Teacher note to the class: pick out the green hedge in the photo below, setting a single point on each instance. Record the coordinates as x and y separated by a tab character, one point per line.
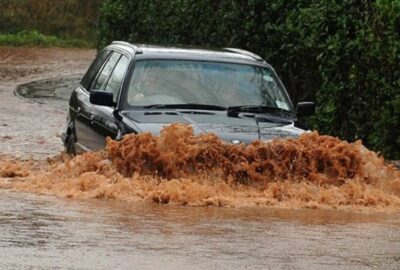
342	54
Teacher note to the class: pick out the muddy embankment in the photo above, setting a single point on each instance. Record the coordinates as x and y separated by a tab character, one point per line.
180	168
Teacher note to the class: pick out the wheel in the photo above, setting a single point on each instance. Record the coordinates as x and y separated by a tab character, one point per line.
70	144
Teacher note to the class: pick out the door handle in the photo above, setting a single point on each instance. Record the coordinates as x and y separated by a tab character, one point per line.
92	119
112	126
78	111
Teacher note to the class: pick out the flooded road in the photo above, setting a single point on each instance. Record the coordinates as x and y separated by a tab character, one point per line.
47	232
31	129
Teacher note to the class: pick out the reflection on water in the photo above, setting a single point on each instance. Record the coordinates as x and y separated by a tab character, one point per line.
46	233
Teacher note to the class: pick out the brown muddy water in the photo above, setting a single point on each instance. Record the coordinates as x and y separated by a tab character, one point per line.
145	203
41	232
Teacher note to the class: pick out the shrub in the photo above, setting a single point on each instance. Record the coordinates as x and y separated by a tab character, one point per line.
342	54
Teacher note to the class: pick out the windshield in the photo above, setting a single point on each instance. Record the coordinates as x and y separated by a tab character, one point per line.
211	83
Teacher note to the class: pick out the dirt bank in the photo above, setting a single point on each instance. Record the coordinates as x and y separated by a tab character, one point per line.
28	129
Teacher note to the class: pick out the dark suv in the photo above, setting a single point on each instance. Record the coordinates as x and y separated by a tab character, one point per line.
141	88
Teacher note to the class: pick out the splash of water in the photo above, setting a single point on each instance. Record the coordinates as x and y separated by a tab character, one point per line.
181	168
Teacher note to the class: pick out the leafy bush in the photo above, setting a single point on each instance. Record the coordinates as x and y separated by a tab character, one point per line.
342	54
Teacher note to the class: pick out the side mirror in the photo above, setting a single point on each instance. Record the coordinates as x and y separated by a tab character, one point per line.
101	98
305	108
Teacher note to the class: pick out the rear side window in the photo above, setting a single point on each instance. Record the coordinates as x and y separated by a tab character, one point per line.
94	68
101	81
115	81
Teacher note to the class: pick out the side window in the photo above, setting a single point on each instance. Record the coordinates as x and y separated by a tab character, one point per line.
117	77
94	68
100	82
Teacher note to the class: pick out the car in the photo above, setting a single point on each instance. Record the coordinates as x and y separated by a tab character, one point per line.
135	88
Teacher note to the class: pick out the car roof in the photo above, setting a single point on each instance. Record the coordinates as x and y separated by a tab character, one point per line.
146	51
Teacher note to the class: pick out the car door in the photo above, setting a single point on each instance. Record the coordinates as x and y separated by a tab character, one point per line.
80	106
88	139
104	123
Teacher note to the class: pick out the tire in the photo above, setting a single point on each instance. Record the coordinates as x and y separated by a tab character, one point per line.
70	144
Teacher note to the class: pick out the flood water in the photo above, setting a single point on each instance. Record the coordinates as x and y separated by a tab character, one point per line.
46	232
39	232
54	92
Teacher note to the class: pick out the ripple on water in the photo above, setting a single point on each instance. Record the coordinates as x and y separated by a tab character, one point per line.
48	233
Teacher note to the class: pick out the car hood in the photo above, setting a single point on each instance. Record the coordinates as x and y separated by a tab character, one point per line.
244	128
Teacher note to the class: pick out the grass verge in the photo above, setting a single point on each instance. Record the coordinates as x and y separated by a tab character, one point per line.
33	38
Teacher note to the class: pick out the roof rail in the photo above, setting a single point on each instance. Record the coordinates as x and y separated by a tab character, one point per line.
244	52
119	42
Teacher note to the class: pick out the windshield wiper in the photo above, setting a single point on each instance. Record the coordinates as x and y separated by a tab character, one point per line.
194	106
234	110
231	110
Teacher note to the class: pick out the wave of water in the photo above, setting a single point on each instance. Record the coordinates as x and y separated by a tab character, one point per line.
178	167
